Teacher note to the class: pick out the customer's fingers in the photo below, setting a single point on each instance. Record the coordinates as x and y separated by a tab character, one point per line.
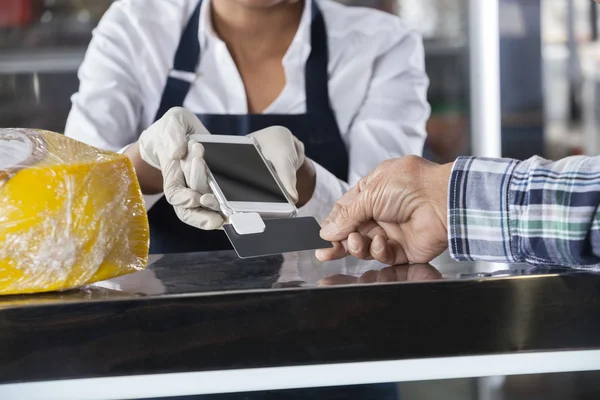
346	199
359	246
338	251
387	251
348	218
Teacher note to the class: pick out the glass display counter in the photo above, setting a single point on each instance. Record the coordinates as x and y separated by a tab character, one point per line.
212	323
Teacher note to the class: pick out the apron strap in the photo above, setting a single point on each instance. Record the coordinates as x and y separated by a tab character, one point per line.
186	59
316	71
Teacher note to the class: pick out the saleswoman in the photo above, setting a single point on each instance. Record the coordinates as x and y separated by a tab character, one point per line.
348	82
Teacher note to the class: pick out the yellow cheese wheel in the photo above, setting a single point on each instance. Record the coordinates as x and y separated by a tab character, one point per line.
70	214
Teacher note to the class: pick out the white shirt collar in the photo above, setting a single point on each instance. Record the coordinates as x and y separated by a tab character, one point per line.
298	51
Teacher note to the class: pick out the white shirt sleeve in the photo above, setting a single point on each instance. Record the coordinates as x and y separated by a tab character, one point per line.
106	110
389	124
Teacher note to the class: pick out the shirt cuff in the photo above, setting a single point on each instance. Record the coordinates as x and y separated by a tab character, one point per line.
328	189
479	224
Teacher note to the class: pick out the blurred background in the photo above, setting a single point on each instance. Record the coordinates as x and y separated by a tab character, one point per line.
548	57
550	103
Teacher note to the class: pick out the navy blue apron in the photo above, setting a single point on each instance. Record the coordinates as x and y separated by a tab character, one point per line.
317	129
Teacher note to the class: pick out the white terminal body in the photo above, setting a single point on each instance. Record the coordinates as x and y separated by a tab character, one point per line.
247	216
247	223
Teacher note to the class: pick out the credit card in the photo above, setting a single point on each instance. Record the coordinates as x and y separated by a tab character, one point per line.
284	235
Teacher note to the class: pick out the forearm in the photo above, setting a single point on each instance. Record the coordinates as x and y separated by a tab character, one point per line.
536	211
150	178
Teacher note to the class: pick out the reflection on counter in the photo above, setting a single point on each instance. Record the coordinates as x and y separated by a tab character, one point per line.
392	274
222	271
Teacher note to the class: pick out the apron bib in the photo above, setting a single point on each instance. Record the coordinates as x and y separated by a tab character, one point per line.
317	129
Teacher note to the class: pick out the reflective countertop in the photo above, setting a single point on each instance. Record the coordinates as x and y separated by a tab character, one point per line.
214	311
213	273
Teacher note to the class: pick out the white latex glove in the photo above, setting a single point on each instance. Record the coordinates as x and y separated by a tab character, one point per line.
163	145
285	152
278	146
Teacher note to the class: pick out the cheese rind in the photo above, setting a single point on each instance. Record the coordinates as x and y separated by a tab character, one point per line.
70	215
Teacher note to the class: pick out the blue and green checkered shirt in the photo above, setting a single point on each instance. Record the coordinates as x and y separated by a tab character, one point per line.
535	211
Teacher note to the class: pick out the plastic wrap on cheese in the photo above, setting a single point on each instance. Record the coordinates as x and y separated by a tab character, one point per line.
70	214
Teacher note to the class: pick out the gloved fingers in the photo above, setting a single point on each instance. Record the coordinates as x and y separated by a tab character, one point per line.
277	135
189	121
175	189
287	175
210	202
279	142
300	151
200	218
184	197
173	138
167	138
179	124
284	152
195	149
195	169
199	176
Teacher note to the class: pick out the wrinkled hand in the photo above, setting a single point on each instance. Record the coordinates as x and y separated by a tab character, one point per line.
395	215
396	273
165	146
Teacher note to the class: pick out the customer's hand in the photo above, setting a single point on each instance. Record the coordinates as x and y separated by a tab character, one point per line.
395	215
165	146
396	273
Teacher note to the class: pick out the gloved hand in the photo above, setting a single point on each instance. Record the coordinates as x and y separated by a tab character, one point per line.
277	144
285	152
395	215
163	145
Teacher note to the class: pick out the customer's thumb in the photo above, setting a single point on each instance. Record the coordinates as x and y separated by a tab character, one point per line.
348	218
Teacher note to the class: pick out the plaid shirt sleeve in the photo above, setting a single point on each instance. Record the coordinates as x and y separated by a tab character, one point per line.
535	211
